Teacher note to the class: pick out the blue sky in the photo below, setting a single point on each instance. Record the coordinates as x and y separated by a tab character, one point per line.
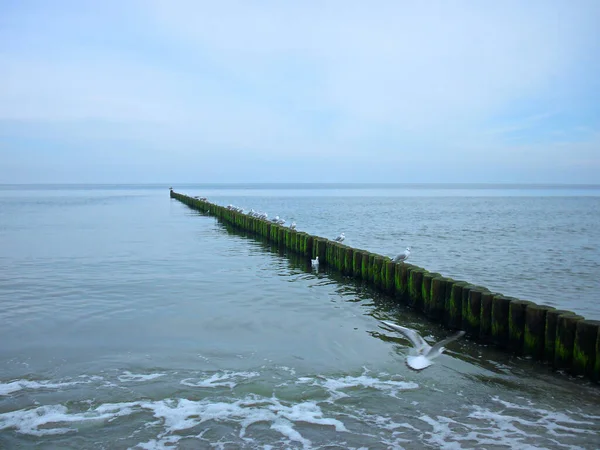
336	91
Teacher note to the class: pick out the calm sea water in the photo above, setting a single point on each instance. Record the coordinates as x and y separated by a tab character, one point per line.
130	321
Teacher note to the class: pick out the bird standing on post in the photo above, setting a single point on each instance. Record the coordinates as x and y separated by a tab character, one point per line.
402	256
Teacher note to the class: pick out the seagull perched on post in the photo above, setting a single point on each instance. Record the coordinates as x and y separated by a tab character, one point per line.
402	256
293	226
315	263
340	238
424	353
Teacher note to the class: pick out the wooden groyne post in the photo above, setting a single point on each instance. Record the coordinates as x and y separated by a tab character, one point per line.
560	338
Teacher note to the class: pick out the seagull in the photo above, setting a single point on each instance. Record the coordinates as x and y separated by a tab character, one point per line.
315	262
424	353
340	238
293	226
403	256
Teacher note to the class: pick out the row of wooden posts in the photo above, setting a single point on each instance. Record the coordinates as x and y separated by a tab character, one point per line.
561	338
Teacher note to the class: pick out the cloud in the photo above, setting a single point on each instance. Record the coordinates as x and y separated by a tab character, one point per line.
225	82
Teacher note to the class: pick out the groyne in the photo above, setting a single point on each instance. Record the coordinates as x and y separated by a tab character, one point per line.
562	339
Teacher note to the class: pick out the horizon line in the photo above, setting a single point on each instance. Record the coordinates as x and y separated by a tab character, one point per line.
312	184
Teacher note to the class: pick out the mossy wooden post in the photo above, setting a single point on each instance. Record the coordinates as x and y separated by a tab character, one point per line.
275	233
348	261
390	274
320	246
281	238
357	256
364	267
377	265
550	332
437	305
566	325
516	324
329	253
315	247
453	309
500	311
584	348
535	330
341	256
310	242
298	242
405	270
426	290
415	288
471	311
305	243
370	265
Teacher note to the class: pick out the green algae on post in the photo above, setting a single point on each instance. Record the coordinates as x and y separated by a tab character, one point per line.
566	324
584	348
535	330
426	290
438	298
415	287
453	310
471	311
500	308
550	332
377	265
357	263
516	324
389	277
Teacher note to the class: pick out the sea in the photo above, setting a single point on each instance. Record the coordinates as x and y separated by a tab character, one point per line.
130	321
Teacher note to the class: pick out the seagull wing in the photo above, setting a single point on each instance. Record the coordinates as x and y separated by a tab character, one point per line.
437	348
412	335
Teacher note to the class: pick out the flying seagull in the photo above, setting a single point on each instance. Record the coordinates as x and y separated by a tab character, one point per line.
340	238
424	353
402	256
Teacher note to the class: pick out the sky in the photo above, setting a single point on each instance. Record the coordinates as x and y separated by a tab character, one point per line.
194	91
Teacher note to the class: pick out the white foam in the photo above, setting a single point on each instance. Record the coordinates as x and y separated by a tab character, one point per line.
286	428
50	419
335	386
165	443
181	414
226	378
175	416
18	385
511	425
128	376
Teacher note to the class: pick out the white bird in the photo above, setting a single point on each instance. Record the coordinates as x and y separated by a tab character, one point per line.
424	353
340	238
315	262
293	226
403	256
